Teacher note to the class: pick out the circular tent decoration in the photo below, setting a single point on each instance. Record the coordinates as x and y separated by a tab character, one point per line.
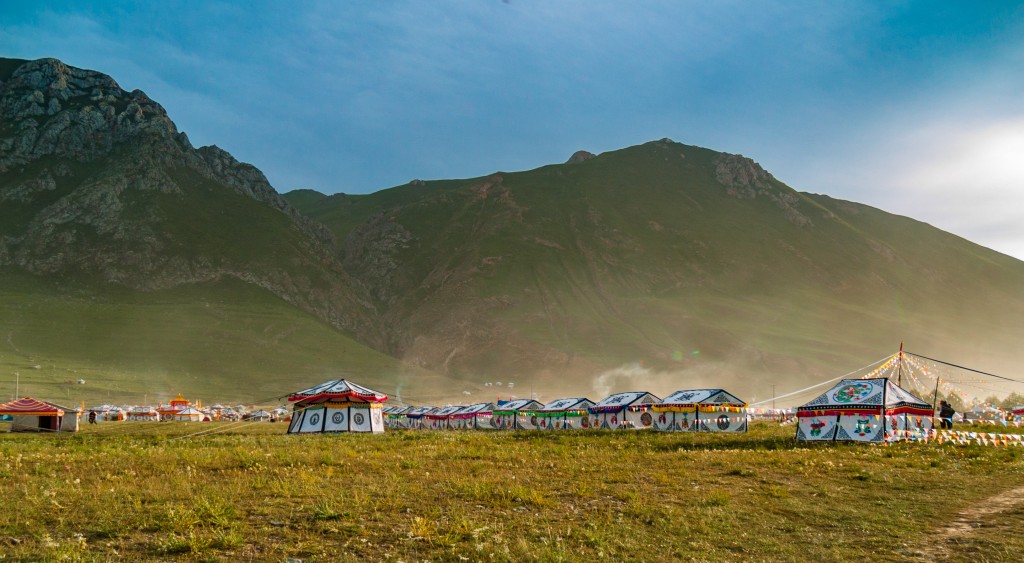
646	419
358	418
723	422
852	393
338	418
314	418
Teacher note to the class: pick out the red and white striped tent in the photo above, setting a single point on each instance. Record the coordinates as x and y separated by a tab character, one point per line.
30	415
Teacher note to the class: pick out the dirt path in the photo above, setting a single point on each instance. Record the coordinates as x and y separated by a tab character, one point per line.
939	544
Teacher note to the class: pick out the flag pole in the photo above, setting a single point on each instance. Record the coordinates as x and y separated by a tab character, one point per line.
899	372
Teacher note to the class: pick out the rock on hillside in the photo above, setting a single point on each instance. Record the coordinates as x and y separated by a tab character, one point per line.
97	181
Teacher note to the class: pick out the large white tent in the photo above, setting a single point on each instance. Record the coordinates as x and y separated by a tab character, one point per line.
564	414
516	415
701	410
864	410
623	411
337	406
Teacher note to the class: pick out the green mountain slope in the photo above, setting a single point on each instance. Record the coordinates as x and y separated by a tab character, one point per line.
662	266
116	235
223	341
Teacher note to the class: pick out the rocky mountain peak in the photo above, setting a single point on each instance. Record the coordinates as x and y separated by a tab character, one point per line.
50	108
579	156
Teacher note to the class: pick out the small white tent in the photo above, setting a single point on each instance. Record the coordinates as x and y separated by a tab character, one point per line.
864	410
417	417
474	417
701	410
516	415
623	411
564	414
440	419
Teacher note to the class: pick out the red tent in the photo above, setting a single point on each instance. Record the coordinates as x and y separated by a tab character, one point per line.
49	417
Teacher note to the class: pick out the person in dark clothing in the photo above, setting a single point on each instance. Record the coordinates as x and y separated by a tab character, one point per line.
946	413
92	417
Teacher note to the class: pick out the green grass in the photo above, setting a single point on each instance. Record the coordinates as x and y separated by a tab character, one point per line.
150	491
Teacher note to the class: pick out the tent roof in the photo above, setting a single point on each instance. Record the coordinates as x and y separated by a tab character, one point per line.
420	411
189	411
622	400
30	407
260	412
445	411
567	404
338	389
519	404
477	408
865	394
702	396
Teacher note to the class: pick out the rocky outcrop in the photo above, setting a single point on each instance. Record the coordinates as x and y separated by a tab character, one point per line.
105	185
745	179
579	156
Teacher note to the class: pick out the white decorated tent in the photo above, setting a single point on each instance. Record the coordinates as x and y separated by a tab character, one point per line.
516	415
337	406
395	416
564	414
623	411
864	410
416	418
440	419
701	410
474	417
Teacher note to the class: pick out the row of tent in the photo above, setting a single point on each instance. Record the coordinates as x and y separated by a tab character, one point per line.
343	406
863	410
693	410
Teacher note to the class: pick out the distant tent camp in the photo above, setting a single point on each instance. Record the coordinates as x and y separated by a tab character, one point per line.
864	410
474	417
30	415
188	414
516	415
564	414
623	410
143	413
440	419
701	410
337	406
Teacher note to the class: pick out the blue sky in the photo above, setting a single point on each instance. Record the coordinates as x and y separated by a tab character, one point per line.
913	107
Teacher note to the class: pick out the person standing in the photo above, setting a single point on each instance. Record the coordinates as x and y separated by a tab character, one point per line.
92	417
946	413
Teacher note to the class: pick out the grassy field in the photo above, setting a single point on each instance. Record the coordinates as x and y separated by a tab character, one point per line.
143	491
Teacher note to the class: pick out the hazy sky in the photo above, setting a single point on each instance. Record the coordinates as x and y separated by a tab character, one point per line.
913	107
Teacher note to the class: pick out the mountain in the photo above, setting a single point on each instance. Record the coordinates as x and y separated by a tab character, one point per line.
145	266
664	266
106	208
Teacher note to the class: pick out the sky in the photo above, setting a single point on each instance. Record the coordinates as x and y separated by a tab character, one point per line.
914	107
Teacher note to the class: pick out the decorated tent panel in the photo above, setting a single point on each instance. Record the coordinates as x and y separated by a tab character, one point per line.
864	410
564	414
623	411
397	416
515	415
701	410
